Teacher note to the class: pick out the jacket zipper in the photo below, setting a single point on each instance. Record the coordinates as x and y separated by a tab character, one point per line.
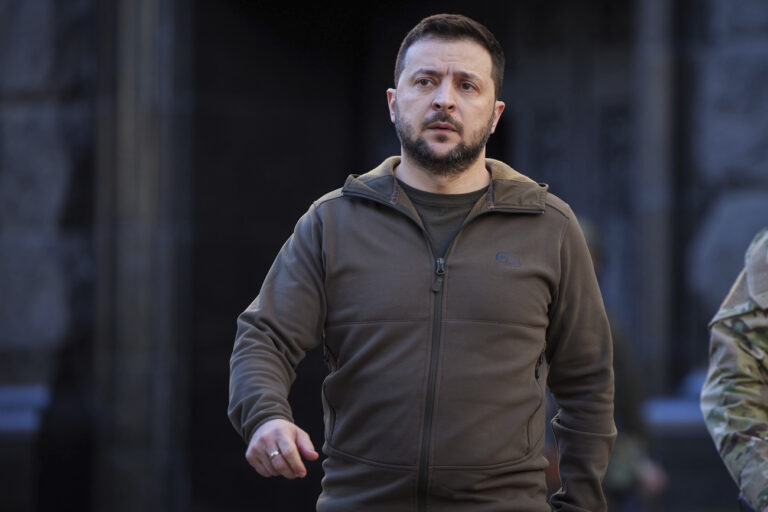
422	478
426	435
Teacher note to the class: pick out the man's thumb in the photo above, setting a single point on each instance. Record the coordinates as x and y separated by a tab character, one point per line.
305	445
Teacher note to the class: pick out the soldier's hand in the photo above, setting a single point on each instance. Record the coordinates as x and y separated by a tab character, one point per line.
276	449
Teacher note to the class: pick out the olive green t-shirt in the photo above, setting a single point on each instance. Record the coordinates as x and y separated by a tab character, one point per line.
442	214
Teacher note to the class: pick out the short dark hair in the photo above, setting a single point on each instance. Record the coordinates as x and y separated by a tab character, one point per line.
454	26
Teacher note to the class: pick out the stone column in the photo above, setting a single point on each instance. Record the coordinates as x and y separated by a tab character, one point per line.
652	186
141	235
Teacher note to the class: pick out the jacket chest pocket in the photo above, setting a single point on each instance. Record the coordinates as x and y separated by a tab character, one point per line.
377	289
504	295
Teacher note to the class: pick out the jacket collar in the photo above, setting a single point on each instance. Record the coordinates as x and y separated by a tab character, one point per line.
508	191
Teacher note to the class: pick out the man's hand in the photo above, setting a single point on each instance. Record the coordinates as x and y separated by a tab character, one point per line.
276	449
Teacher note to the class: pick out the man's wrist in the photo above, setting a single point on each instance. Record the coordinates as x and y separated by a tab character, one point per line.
262	421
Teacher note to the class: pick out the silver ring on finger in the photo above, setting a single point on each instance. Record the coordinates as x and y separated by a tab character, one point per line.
273	454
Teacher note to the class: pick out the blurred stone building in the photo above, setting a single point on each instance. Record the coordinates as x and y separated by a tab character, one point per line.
155	154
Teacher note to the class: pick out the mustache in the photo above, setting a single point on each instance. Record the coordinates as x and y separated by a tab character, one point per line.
443	117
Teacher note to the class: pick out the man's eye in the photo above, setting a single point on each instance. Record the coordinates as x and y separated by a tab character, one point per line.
467	86
423	81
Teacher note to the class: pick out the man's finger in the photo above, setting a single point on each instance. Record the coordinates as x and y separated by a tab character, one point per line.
305	445
258	461
282	468
273	461
260	469
290	455
267	464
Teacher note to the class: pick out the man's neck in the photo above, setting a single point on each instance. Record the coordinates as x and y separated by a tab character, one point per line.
475	177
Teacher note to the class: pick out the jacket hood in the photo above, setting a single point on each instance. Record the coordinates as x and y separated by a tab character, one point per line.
508	190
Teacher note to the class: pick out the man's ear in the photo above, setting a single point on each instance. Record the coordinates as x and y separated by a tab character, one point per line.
498	108
391	96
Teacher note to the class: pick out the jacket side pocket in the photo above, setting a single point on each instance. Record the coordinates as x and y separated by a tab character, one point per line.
329	419
537	378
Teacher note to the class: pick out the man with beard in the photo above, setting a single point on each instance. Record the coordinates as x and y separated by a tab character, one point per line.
447	291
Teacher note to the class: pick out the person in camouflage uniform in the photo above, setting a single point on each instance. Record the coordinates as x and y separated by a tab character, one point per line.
734	399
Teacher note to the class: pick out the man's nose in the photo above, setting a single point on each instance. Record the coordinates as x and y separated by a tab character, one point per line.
445	98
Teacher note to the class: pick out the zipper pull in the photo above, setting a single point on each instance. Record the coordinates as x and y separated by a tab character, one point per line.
437	284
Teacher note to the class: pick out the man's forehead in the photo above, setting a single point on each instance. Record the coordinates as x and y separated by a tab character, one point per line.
432	52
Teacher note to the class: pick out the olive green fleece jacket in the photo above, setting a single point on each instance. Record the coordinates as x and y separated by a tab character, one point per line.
434	401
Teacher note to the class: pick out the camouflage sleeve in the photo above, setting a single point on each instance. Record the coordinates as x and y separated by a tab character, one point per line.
734	399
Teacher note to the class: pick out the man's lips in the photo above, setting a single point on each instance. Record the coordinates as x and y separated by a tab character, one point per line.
441	126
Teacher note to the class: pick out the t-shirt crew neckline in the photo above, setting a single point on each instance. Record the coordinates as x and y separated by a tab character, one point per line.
437	199
442	214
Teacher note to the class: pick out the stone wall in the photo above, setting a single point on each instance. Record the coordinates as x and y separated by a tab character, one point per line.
46	154
47	75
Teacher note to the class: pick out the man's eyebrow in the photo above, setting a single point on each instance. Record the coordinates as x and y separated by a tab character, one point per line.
433	72
425	71
468	74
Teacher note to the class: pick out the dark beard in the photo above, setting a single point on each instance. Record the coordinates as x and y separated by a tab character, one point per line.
453	163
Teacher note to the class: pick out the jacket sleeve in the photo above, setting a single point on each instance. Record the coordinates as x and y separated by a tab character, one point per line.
273	334
734	398
580	356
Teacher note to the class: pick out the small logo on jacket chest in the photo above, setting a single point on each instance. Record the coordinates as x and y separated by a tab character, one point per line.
508	259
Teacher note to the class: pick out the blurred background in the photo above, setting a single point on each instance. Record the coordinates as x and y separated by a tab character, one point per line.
155	155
